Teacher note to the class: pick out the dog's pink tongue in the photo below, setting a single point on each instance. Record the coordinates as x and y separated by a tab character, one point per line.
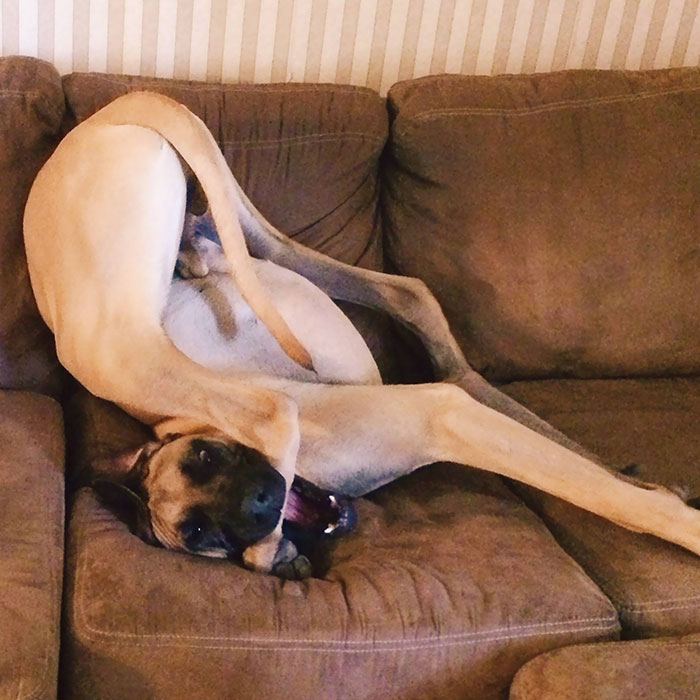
298	510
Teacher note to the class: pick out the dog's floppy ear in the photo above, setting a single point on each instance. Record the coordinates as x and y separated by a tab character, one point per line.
118	484
128	506
124	465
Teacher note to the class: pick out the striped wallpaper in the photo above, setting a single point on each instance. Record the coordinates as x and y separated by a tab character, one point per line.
362	42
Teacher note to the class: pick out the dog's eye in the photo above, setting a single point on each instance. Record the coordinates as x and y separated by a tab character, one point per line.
193	529
200	466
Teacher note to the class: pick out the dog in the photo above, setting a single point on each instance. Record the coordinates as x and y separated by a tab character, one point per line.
265	402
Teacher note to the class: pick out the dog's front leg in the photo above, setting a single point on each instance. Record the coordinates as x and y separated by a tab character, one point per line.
356	438
467	431
164	388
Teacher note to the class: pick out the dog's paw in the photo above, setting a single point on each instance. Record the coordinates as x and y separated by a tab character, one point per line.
190	263
289	564
297	569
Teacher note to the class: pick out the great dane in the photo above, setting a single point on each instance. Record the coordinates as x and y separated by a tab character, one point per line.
250	376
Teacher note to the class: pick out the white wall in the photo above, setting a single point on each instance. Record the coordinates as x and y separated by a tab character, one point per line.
363	42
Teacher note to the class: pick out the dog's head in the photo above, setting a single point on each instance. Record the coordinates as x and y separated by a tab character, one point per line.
195	493
212	496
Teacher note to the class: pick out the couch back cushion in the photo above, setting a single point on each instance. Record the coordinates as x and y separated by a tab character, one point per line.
555	216
306	155
31	113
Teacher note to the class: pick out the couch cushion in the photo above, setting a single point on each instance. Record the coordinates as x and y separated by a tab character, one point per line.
306	155
649	670
649	422
31	113
447	588
31	544
554	216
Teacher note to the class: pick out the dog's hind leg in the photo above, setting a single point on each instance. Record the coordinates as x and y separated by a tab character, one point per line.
406	299
102	228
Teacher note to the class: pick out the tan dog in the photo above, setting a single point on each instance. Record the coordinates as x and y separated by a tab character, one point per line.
241	406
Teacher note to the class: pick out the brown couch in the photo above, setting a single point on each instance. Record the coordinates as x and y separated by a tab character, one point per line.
556	218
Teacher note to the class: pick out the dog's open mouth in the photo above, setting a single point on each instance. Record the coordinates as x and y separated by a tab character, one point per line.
317	511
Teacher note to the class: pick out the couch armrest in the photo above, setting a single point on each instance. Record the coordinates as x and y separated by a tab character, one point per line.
31	544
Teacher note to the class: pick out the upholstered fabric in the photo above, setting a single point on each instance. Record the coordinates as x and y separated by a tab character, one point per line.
31	544
448	586
663	669
31	112
649	422
554	216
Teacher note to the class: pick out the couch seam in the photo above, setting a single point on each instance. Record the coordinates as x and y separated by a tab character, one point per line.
59	449
19	93
609	622
40	684
527	111
573	411
659	606
294	140
368	647
56	592
682	599
234	87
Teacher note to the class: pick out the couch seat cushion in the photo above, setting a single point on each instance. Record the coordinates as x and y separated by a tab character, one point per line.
448	586
648	670
554	216
31	114
31	544
649	422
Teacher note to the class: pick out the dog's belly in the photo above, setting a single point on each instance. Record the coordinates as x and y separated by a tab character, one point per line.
209	321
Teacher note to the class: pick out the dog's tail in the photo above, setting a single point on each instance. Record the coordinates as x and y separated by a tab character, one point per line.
190	137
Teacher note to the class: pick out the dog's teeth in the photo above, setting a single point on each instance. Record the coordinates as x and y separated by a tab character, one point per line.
332	527
333	500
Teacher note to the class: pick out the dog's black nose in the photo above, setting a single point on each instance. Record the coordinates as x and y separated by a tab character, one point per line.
261	501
